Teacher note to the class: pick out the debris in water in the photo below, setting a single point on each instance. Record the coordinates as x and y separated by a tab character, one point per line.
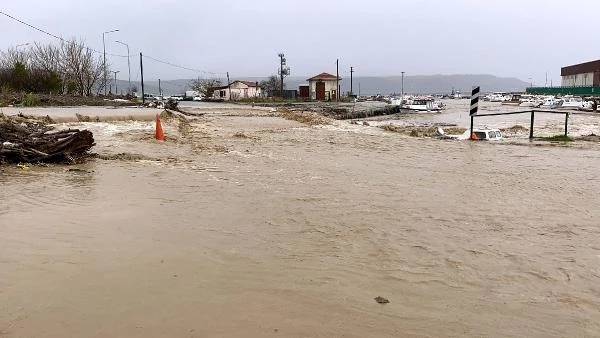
26	139
381	300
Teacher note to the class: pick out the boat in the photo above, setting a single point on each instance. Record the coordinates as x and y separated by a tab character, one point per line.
497	97
550	102
515	100
530	101
422	104
570	102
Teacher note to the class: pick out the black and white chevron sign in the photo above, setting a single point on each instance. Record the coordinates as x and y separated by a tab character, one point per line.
474	101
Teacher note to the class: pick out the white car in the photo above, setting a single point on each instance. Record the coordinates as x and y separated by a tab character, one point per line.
197	98
486	134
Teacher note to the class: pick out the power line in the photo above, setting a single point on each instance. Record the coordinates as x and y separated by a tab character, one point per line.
100	52
53	35
178	66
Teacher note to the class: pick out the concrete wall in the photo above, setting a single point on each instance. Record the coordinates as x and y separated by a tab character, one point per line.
578	80
330	86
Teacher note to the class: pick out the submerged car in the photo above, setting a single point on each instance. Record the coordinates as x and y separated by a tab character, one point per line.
479	134
486	134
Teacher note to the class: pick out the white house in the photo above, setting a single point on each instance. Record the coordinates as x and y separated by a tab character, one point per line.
239	90
323	87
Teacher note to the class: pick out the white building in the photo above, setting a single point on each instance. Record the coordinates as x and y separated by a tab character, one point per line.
323	87
239	90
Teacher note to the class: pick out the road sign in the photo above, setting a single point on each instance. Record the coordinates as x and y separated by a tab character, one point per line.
474	101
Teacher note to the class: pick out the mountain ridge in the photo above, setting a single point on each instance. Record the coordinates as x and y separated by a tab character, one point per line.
372	85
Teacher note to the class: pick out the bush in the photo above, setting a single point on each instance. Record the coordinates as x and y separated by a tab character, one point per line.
31	100
557	138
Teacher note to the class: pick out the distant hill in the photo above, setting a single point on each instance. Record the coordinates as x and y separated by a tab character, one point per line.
426	84
370	85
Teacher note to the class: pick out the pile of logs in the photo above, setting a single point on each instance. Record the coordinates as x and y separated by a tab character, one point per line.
29	140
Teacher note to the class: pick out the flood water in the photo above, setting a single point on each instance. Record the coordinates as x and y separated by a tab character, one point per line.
259	227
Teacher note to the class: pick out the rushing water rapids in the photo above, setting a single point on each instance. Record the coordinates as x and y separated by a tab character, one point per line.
256	227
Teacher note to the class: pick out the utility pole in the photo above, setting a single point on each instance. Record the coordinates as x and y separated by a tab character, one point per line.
359	89
281	63
351	71
402	99
159	89
116	89
128	65
229	86
337	80
104	53
142	78
283	71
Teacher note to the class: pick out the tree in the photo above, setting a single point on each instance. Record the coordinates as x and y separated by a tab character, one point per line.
18	76
12	56
48	64
205	87
81	67
272	85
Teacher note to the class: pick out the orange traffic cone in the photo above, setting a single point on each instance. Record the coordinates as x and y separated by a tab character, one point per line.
159	134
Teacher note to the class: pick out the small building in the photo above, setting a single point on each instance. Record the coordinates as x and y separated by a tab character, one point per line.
323	87
239	90
581	75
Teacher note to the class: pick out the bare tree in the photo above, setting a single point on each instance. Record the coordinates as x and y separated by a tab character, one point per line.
47	60
272	85
205	87
81	67
46	57
12	56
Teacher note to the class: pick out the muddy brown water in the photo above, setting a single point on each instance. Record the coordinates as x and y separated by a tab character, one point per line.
292	231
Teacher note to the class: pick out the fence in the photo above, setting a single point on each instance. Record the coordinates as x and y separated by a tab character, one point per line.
532	112
580	91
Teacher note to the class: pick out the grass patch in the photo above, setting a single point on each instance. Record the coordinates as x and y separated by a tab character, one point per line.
31	100
557	138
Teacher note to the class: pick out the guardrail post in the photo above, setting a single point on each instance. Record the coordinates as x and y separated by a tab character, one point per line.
531	125
566	122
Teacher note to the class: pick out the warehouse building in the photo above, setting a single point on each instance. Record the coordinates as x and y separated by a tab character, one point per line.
581	75
582	79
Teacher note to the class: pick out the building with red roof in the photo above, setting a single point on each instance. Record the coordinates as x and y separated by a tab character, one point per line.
323	87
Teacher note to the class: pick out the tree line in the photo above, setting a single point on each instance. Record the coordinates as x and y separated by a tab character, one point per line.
66	68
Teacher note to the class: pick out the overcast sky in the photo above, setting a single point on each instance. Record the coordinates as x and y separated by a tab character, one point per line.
523	39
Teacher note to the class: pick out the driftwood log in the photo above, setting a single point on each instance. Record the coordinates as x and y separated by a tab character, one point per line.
29	140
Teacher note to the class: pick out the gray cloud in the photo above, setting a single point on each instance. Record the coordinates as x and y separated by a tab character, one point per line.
524	39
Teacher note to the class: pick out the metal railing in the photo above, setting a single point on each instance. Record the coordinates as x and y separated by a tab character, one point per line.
532	112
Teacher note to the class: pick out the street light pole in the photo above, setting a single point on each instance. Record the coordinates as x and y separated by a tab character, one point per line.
128	64
351	89
104	57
